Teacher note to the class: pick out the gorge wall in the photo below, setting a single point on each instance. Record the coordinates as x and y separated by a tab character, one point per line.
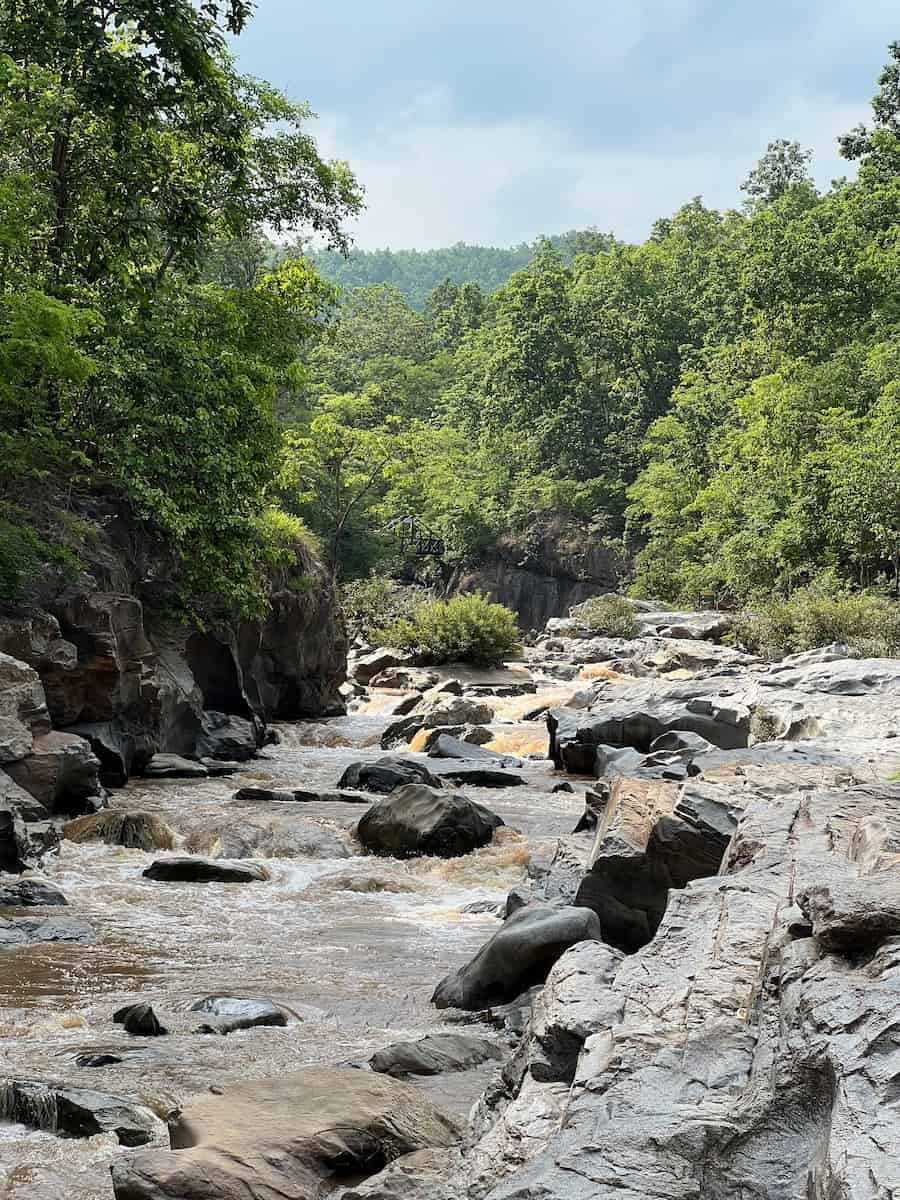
101	678
544	573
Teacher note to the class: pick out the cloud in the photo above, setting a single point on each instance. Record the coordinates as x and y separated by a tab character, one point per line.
431	182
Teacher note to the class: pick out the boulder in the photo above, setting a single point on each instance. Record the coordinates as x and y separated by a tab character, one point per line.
173	766
25	834
447	709
387	774
852	916
226	737
436	1054
444	746
405	679
375	663
203	870
77	1112
136	830
420	820
61	773
294	1136
29	893
518	956
230	1013
139	1020
23	709
119	746
34	931
401	731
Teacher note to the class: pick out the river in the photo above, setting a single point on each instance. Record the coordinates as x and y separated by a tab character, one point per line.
353	946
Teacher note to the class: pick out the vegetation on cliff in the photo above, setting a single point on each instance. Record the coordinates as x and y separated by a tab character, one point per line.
130	147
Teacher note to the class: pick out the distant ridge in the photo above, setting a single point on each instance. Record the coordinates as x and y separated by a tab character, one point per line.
415	273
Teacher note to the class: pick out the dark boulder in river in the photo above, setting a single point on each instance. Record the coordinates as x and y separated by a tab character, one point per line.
436	1054
419	820
203	870
140	1021
293	1136
387	774
517	957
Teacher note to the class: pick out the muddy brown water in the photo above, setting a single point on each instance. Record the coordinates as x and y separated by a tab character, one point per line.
353	946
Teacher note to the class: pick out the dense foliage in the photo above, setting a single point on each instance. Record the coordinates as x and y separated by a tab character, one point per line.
416	273
819	615
722	402
129	146
464	629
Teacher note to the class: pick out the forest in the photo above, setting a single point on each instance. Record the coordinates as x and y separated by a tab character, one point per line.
721	403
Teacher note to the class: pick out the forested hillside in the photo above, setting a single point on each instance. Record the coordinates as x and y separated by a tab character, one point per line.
722	401
415	273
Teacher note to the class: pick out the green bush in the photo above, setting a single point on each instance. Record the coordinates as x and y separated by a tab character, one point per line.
608	616
465	629
371	605
813	616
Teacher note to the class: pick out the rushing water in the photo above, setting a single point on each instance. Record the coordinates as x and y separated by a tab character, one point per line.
353	946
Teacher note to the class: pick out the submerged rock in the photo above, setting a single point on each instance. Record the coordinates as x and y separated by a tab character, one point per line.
519	955
436	1054
29	893
136	830
292	1136
32	931
419	820
204	870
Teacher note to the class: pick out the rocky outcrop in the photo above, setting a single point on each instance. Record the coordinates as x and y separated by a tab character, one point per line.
653	837
416	820
106	666
543	573
294	1136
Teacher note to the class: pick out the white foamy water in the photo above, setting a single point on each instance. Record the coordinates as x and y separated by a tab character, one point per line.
352	945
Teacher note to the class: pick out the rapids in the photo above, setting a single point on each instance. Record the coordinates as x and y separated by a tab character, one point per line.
352	945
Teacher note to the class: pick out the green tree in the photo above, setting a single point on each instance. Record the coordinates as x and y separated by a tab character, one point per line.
784	165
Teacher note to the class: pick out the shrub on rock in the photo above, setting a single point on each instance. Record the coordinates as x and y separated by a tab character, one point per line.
464	629
609	616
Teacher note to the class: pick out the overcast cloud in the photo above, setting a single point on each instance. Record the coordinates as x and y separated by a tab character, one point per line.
494	121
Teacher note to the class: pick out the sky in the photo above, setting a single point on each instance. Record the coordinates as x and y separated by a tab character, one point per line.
496	121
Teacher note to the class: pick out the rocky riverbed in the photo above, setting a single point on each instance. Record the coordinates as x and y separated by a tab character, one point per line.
620	921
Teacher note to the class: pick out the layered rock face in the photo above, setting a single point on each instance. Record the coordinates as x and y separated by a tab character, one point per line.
91	692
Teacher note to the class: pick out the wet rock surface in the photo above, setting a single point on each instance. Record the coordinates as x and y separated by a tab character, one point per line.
77	1112
292	1136
416	820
